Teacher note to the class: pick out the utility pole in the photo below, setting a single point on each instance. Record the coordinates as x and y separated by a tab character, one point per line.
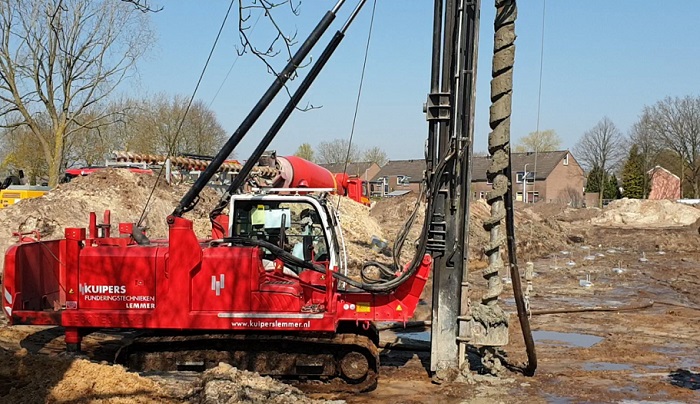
525	183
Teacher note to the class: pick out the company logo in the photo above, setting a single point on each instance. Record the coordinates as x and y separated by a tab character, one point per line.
217	285
86	289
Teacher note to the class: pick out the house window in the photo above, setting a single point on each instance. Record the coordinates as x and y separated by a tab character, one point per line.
519	177
402	180
533	196
566	159
519	196
482	195
385	184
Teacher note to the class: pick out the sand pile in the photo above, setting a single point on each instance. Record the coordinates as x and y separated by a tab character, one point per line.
26	378
358	228
559	211
121	191
535	236
647	213
31	378
227	385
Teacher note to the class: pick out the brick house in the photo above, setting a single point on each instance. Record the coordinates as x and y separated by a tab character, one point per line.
557	178
664	184
398	175
365	170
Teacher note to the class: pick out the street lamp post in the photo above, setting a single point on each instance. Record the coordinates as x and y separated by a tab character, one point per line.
525	183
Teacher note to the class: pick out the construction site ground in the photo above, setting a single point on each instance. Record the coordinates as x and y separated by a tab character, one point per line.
631	336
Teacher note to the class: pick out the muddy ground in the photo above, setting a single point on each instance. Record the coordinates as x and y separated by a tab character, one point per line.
644	355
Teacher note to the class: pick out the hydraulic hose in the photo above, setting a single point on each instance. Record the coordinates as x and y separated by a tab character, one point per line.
390	285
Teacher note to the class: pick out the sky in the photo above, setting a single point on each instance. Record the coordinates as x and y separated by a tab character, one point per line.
600	58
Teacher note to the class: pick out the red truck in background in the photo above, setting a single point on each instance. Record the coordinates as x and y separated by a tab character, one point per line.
78	172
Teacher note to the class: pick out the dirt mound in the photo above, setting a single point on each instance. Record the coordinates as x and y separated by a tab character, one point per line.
578	214
121	191
535	235
544	209
393	211
358	228
558	211
392	214
226	384
32	378
647	213
26	378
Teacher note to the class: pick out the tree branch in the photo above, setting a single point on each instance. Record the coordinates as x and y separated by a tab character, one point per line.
272	50
143	6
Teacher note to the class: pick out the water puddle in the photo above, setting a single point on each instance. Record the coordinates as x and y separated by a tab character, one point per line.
417	336
552	399
685	357
413	335
567	338
598	366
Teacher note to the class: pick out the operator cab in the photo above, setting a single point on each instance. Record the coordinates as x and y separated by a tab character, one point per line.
301	225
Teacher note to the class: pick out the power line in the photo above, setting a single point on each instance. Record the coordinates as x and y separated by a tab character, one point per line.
539	91
238	55
359	92
539	107
189	105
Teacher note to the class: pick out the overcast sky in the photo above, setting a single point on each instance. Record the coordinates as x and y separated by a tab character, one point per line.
601	58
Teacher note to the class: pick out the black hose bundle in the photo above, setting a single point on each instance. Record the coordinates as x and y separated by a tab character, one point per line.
387	286
389	281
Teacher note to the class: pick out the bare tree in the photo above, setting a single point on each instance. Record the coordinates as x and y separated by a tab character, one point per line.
538	142
156	126
601	147
62	58
91	145
279	39
201	132
675	124
376	155
305	151
338	151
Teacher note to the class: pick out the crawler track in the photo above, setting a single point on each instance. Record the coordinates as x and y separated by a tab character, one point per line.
342	362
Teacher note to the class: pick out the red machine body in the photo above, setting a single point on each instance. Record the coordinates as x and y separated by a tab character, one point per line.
78	172
90	281
295	172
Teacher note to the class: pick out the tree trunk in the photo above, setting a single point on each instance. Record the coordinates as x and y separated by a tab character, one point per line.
56	158
601	189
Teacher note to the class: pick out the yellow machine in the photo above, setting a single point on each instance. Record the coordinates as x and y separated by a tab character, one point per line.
15	193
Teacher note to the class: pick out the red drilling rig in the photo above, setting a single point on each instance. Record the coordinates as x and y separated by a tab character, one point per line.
270	291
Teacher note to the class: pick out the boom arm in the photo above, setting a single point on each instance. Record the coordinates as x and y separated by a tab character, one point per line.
190	199
286	112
